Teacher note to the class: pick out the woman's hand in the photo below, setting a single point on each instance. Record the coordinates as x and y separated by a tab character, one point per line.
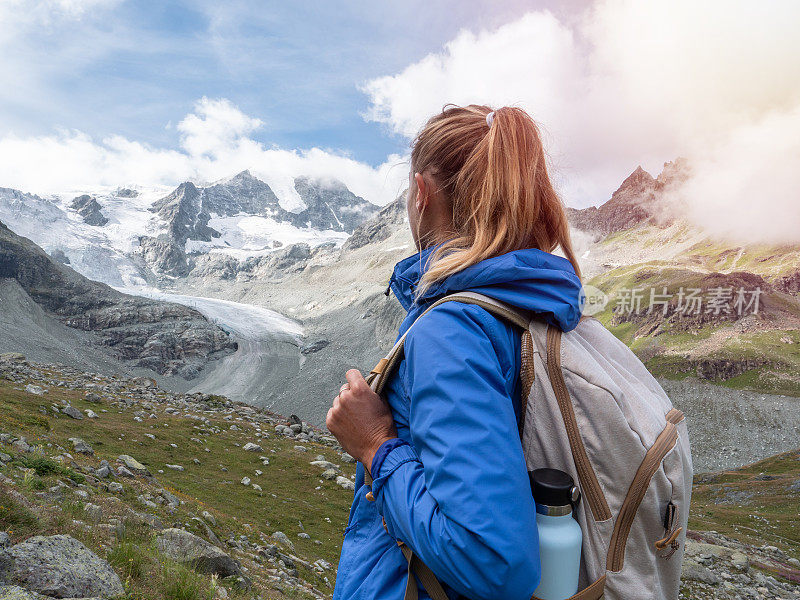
360	419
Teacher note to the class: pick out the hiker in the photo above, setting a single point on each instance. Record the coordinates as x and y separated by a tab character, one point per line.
494	375
448	474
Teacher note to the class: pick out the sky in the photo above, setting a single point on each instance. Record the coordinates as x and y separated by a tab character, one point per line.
121	92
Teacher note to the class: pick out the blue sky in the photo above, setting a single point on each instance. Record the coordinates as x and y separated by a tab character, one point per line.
134	67
103	93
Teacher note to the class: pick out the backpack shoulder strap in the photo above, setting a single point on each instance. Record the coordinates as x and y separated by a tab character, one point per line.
381	373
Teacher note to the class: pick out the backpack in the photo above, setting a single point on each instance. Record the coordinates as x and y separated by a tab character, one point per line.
594	411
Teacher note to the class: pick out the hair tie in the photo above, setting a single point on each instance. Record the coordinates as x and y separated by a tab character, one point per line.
490	119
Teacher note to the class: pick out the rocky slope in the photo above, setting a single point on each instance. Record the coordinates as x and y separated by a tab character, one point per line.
110	483
188	212
336	294
131	237
689	304
88	208
166	338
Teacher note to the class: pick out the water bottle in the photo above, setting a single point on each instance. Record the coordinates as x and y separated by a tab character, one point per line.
559	534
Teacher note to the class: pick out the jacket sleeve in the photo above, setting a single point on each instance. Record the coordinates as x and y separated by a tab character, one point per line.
460	495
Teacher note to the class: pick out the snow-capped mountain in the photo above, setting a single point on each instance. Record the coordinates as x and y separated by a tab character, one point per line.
128	237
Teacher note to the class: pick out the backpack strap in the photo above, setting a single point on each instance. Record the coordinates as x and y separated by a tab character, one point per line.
381	373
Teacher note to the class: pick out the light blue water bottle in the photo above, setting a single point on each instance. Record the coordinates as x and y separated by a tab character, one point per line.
560	535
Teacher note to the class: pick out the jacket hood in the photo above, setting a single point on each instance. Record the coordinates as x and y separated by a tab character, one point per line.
529	279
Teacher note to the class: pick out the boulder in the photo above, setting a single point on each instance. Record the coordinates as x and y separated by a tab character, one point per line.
187	548
14	592
345	483
133	465
251	447
60	566
79	445
73	412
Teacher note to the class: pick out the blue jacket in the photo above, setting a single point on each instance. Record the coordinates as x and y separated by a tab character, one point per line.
454	485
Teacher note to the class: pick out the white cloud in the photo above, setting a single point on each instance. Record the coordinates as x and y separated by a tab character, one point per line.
215	143
15	14
630	83
215	128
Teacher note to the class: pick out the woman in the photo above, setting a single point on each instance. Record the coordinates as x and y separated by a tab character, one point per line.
449	476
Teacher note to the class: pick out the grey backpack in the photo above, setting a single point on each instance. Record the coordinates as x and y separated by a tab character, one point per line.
594	411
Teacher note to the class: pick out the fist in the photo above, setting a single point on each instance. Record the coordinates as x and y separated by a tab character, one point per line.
360	419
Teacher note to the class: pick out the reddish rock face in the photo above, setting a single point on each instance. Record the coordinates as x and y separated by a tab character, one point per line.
640	199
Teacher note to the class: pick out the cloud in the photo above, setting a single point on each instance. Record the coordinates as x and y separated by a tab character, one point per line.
746	187
215	128
631	83
215	142
15	14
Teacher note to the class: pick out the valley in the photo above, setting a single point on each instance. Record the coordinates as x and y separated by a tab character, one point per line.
201	332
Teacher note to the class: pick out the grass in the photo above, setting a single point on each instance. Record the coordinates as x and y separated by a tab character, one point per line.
15	518
669	346
757	504
130	559
294	497
178	582
44	466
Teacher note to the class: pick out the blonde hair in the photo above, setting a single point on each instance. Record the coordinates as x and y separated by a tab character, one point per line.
492	170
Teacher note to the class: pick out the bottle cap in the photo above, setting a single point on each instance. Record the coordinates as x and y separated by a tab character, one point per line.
552	487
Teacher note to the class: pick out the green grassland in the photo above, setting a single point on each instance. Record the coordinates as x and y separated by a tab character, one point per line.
294	497
757	504
766	354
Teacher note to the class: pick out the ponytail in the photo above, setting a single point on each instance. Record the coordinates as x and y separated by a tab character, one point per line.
490	165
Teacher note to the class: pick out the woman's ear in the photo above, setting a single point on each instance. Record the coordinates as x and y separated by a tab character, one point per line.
422	192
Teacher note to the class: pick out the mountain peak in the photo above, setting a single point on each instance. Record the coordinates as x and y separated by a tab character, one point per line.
639	179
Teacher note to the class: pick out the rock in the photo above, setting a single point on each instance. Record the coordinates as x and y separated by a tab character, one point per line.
14	592
34	389
251	447
115	487
282	538
103	472
91	414
73	412
740	561
187	548
4	539
694	571
21	445
209	518
62	567
257	487
134	465
330	474
324	464
245	481
123	472
314	346
175	467
345	483
79	445
89	208
93	512
170	498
